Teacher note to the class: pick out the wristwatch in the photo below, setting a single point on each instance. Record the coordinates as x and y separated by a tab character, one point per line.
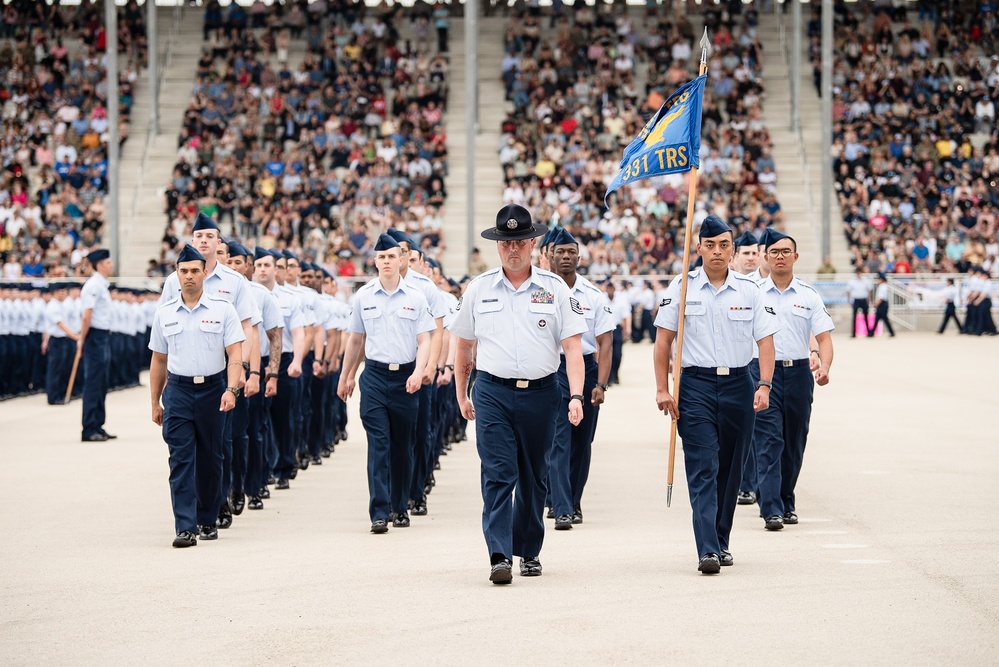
272	375
450	367
257	373
578	397
765	383
603	385
234	390
246	365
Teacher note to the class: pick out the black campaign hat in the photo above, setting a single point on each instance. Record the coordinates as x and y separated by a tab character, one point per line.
513	223
97	255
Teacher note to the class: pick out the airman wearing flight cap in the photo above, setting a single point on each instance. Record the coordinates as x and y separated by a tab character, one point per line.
58	344
390	326
516	317
723	315
746	261
780	431
95	338
193	335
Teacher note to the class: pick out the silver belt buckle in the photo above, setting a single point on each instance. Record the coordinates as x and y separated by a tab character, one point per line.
722	371
523	384
199	379
393	367
787	363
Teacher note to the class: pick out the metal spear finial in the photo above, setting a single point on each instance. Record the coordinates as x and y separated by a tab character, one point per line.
705	46
669	494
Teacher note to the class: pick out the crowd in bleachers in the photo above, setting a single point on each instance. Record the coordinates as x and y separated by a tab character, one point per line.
319	157
578	100
54	134
915	145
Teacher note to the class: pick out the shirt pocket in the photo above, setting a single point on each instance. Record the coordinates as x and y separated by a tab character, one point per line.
488	317
407	313
741	323
212	335
542	318
371	318
171	334
695	318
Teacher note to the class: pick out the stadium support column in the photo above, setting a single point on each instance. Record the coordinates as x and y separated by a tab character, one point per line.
153	70
827	92
796	66
471	115
111	56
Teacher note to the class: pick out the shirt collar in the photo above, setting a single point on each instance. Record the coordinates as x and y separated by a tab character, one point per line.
533	279
202	302
702	277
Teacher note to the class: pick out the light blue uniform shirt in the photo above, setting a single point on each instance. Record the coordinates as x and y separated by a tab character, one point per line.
519	331
432	293
451	301
222	283
390	321
721	327
270	315
800	312
291	314
96	297
194	340
307	300
596	310
55	312
38	312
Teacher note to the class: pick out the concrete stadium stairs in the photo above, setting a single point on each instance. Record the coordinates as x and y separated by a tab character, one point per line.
799	191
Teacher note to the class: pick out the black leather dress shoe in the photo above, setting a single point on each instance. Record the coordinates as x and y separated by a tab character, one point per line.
317	461
238	502
550	514
746	498
282	483
530	567
379	526
577	514
271	480
255	503
185	538
709	564
790	519
563	522
501	573
294	472
108	435
776	522
400	521
265	493
208	533
420	507
726	558
96	437
225	515
326	451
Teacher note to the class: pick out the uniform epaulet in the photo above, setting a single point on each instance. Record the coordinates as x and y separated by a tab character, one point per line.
213	297
806	285
484	274
740	276
587	284
168	302
549	274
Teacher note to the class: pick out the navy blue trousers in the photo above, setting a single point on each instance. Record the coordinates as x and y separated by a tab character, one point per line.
617	353
423	451
240	445
716	424
257	427
333	409
514	430
388	414
319	405
37	361
303	413
60	363
192	429
779	436
283	416
569	457
96	359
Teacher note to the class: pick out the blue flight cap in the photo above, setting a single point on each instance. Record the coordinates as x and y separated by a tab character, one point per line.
237	249
400	236
190	254
203	222
276	254
747	239
386	242
562	237
713	226
97	255
260	253
326	274
773	236
434	264
547	238
287	254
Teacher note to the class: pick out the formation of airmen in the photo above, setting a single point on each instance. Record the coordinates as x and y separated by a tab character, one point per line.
41	324
253	356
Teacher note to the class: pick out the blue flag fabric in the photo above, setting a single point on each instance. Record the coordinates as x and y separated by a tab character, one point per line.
670	142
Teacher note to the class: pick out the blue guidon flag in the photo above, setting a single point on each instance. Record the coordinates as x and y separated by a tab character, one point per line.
670	142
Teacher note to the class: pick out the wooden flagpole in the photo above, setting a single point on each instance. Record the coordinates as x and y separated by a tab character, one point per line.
684	280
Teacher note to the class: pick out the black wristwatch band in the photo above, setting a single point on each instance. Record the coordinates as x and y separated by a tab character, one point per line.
576	396
603	385
246	365
257	373
271	375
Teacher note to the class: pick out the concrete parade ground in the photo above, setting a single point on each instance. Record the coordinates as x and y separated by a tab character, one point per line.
894	561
